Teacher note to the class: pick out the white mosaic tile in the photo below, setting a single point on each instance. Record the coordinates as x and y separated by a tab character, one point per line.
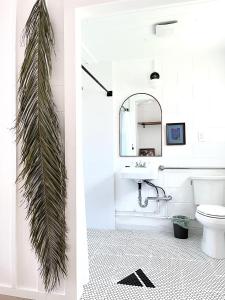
97	237
130	261
119	237
219	266
124	292
202	295
178	268
92	249
199	275
109	261
113	249
102	274
165	274
95	292
164	294
137	248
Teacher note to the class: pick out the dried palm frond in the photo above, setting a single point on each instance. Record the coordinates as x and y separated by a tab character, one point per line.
42	158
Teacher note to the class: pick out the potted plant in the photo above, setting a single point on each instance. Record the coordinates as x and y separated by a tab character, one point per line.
180	226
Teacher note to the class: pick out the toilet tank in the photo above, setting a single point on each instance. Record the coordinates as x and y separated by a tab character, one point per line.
209	190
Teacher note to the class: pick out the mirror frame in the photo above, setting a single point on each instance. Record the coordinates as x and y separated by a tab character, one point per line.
120	123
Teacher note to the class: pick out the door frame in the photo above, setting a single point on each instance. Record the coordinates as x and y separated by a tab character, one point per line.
74	12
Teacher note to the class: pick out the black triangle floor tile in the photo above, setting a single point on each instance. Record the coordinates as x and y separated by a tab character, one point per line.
144	279
131	280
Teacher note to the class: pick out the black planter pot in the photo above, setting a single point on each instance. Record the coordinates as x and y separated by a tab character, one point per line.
180	232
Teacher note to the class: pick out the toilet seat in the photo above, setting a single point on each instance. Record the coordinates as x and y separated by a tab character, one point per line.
212	211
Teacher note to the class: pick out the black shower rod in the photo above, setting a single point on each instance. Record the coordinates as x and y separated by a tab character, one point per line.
109	93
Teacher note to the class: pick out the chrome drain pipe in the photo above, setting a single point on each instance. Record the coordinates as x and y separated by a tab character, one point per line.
145	204
147	199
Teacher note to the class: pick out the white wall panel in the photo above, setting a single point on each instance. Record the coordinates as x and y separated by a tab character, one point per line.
27	276
19	270
98	148
8	148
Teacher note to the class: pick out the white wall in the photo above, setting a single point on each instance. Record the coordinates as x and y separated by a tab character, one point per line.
192	90
98	148
8	147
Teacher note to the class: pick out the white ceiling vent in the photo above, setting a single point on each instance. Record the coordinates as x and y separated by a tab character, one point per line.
166	29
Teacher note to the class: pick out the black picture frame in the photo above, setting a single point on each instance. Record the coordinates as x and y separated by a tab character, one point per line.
175	134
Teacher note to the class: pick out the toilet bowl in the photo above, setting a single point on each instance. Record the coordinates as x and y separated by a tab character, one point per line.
209	198
212	218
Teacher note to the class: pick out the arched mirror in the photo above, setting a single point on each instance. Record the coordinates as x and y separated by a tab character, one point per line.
141	126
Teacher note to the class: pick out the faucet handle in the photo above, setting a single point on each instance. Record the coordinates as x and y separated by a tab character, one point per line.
140	164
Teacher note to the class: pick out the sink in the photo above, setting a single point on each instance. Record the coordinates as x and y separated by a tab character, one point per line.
149	173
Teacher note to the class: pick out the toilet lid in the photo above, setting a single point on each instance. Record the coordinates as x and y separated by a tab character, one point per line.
212	211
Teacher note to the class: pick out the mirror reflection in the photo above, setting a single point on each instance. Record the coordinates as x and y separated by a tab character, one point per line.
141	126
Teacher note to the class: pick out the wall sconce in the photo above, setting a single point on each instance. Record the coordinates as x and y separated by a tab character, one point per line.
154	76
155	80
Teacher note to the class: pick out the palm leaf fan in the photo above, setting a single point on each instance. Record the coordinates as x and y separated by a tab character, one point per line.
42	158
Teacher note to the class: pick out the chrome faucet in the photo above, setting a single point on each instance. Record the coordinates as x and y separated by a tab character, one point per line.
140	164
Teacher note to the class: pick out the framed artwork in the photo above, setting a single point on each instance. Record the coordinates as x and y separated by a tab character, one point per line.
147	152
175	134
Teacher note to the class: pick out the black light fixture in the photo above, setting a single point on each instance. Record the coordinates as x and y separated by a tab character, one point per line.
154	75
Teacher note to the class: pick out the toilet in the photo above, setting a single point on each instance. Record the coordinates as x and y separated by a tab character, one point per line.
209	197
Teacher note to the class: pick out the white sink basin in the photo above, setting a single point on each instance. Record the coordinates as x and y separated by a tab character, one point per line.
139	173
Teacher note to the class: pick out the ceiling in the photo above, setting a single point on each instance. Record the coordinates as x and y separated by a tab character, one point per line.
131	35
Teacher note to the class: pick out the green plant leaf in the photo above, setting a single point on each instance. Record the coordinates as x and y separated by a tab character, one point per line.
42	159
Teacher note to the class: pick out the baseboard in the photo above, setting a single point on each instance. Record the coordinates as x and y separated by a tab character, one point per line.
147	223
